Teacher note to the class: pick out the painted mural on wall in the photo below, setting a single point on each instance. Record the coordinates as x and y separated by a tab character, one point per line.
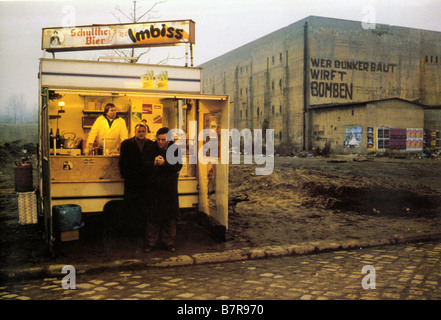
332	79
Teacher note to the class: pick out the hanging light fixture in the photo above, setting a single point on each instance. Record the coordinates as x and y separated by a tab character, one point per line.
61	104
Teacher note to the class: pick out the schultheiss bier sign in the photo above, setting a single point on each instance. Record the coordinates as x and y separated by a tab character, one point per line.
97	37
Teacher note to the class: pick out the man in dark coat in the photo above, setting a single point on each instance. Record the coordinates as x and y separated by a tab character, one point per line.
135	174
163	194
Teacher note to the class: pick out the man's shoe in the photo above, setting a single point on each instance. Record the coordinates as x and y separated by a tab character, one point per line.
148	249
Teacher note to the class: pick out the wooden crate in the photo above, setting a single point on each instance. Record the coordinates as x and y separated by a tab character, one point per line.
70	235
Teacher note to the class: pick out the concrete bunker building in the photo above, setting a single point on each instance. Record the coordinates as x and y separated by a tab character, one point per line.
329	81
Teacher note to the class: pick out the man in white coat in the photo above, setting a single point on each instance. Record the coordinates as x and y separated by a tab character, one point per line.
109	130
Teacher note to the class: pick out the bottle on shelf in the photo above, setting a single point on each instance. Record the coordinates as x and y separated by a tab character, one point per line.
58	139
96	148
51	139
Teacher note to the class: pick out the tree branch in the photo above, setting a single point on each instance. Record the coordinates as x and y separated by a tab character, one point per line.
125	15
149	10
169	58
132	17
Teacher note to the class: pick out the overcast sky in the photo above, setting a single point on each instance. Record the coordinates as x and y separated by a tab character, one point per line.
221	26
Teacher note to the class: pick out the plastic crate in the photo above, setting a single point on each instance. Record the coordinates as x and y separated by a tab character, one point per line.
67	217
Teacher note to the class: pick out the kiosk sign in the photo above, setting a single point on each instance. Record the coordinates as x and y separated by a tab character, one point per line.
98	37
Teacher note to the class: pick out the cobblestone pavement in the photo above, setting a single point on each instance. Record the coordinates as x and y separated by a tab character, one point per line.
405	271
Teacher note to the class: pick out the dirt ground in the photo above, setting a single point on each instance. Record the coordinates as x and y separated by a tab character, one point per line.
336	198
304	199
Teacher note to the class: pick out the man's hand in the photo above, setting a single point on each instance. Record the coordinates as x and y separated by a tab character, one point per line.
159	161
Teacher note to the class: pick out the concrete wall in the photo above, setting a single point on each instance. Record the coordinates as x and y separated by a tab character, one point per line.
366	64
432	118
396	114
331	123
344	62
259	78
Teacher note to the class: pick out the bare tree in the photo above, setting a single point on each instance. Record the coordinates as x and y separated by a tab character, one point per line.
16	106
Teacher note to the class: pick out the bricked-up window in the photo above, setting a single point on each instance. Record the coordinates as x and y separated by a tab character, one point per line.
280	57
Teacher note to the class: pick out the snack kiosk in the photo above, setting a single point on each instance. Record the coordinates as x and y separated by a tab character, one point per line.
73	94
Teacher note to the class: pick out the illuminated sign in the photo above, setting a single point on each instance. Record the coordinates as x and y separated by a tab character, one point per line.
98	37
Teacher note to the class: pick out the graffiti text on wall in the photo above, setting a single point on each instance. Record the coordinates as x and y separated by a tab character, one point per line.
329	76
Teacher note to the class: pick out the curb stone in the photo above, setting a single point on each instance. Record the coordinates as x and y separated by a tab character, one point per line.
216	257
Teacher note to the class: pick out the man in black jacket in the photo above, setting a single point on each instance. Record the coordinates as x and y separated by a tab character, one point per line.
163	194
136	176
